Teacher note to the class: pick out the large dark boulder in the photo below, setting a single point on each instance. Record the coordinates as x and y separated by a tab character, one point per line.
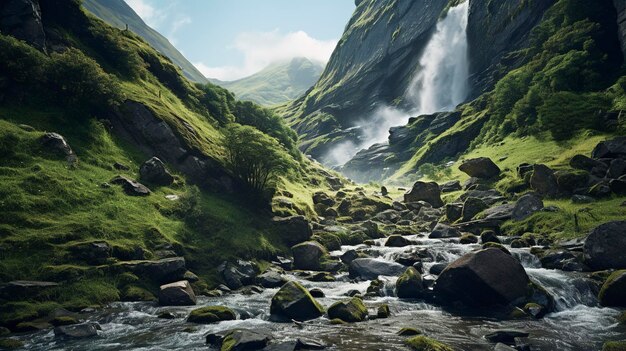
610	149
95	252
351	311
606	245
131	187
451	186
371	268
613	292
471	207
442	230
397	241
571	181
307	255
56	143
543	180
584	163
77	331
294	229
483	278
153	171
239	339
617	168
526	206
177	294
271	279
422	191
410	285
22	19
481	167
211	314
238	273
293	301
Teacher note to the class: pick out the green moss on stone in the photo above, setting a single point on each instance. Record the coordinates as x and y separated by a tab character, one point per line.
211	314
351	311
10	344
614	346
422	343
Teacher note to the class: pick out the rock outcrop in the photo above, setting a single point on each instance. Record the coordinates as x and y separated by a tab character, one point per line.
293	301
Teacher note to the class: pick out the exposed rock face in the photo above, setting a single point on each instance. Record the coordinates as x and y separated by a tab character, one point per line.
620	6
481	167
177	294
605	246
136	124
295	302
422	191
154	171
22	19
483	278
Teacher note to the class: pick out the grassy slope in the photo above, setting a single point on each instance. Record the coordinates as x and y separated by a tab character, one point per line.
117	13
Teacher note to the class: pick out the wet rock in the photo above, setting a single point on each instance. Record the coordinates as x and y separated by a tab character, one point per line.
498	246
613	292
503	347
349	311
605	246
349	256
94	253
437	268
293	301
371	268
422	191
556	259
397	241
294	230
483	278
271	279
454	211
237	274
309	344
317	293
481	167
409	285
77	331
610	149
506	336
211	314
468	239
353	293
131	187
239	339
307	255
543	180
536	310
383	311
489	236
408	332
153	171
526	206
177	294
384	191
422	343
451	186
582	199
471	207
444	231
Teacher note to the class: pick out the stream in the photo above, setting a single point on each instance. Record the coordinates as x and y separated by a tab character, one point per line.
579	324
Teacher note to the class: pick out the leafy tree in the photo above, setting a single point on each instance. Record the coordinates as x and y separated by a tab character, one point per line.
255	158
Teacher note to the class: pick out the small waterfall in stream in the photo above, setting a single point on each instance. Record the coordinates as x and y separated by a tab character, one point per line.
440	84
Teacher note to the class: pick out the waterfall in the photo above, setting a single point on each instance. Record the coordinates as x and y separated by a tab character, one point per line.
439	85
441	82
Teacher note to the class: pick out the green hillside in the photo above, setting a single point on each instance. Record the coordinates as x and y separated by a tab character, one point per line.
118	14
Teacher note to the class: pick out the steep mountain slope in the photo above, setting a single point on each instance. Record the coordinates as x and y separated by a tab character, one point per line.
118	14
278	83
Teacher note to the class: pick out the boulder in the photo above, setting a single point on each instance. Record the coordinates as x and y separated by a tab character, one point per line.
371	268
131	187
22	19
617	168
317	293
24	288
483	278
618	186
423	343
454	211
584	163
605	246
77	331
468	239
323	198
94	253
57	144
162	271
613	292
481	167
523	169
349	256
571	181
153	171
422	191
471	207
211	314
294	229
293	301
307	255
351	311
437	268
397	241
271	279
444	231
543	180
610	149
177	294
237	274
489	236
526	206
383	311
409	285
239	340
451	186
506	336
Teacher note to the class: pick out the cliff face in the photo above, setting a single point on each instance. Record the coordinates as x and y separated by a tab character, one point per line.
620	6
373	63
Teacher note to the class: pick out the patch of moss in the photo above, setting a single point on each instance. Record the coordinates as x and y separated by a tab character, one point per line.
422	343
10	344
614	346
135	293
63	320
351	311
211	314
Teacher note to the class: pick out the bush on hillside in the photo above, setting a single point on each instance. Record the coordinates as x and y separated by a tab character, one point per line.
564	113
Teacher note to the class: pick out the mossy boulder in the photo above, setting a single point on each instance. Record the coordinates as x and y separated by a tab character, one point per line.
135	293
330	241
614	346
293	301
492	245
10	344
383	311
211	314
569	181
241	339
613	292
422	343
63	320
409	285
351	311
468	239
408	332
308	255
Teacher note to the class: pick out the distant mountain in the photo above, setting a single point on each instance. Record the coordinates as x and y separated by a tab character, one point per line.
277	83
118	14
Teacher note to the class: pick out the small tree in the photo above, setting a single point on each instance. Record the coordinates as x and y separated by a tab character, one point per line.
255	158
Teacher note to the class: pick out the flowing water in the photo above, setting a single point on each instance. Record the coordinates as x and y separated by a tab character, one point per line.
579	324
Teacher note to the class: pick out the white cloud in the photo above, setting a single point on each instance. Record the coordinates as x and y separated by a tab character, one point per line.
263	48
165	19
147	12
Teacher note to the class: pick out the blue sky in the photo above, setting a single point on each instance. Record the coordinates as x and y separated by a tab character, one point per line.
231	39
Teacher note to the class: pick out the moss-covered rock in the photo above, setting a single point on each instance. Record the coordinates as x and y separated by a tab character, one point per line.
337	321
135	293
422	343
308	255
350	311
383	311
613	292
614	346
10	344
622	318
293	301
409	285
63	320
408	332
498	246
329	240
211	314
469	239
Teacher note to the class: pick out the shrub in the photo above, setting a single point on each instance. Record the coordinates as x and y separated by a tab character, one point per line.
564	113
